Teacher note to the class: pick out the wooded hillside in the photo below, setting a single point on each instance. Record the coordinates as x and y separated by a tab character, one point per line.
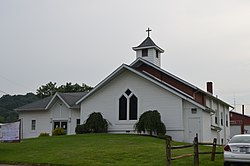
8	103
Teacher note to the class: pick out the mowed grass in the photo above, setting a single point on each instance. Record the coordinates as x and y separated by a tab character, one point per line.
98	149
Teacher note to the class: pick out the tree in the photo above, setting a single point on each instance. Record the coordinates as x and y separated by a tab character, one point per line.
50	89
1	119
74	88
8	103
94	124
46	90
150	121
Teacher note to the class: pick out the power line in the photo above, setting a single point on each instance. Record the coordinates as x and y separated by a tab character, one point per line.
13	82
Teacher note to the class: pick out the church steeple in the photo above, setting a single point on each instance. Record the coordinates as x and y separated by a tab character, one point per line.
149	51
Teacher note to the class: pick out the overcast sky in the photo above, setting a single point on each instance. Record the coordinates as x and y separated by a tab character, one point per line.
83	41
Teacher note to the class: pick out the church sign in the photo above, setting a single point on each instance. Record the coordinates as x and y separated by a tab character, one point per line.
10	132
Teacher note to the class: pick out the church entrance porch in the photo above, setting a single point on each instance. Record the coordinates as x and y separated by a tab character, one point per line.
60	124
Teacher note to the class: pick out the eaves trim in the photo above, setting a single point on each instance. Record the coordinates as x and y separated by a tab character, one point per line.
102	83
30	109
148	47
51	101
125	67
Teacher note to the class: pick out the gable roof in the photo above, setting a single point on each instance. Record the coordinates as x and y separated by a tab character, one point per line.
69	99
37	105
141	61
154	80
148	43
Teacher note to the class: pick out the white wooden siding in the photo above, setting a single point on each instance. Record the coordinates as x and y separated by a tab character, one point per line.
150	97
42	123
151	56
44	119
221	111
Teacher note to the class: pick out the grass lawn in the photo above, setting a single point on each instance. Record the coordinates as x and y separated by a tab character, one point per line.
98	149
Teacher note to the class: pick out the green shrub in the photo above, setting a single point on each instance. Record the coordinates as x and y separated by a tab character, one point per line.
58	131
150	121
44	134
94	124
81	129
161	129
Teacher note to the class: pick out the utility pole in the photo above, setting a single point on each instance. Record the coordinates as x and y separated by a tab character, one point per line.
243	120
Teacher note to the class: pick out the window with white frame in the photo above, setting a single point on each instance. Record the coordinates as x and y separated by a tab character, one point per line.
216	116
221	118
144	52
157	54
128	106
78	122
33	125
226	120
194	110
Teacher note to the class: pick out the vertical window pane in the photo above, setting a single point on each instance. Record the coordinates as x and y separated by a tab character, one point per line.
133	108
56	125
77	121
144	52
221	120
64	125
194	111
123	108
226	120
33	124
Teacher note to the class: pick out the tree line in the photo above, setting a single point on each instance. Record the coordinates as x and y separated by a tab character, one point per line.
51	88
9	102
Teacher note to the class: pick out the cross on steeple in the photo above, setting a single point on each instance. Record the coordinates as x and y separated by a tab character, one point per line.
148	31
149	51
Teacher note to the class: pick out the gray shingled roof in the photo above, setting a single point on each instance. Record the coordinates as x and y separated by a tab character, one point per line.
72	98
148	43
37	105
69	98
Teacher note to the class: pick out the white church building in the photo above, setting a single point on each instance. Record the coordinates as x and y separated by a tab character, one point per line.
130	90
44	115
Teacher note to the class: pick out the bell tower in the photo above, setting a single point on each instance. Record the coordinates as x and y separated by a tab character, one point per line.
149	51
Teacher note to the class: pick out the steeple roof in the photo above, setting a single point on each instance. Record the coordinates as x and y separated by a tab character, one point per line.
148	43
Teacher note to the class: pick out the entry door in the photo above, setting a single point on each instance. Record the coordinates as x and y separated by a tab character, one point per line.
61	124
193	128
